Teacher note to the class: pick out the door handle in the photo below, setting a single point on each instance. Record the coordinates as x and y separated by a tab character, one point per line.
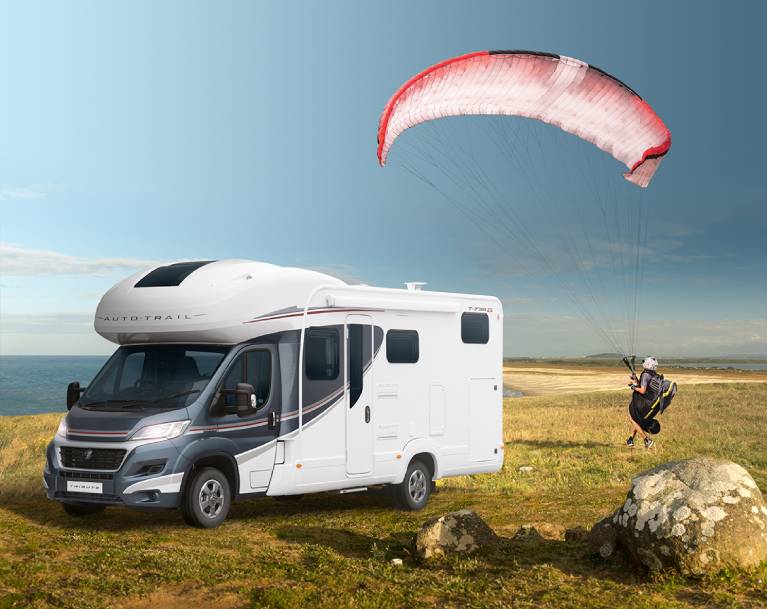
272	420
367	414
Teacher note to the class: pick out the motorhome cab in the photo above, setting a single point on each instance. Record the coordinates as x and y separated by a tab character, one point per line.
236	379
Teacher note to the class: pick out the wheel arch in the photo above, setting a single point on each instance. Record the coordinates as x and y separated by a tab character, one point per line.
222	461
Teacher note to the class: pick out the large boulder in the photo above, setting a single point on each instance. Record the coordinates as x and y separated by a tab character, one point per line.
694	516
462	532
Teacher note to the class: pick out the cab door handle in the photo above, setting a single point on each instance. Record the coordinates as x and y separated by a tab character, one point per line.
272	420
367	414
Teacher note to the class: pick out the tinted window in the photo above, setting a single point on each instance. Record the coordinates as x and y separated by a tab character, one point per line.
254	368
356	335
171	275
475	328
402	346
321	349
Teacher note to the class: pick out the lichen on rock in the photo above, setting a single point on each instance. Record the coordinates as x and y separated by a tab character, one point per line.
462	532
694	516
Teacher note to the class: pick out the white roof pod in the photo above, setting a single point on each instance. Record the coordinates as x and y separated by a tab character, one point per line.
204	301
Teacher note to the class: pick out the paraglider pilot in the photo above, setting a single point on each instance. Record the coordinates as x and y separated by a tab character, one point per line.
641	412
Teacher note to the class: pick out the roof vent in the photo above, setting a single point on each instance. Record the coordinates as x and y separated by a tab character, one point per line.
415	286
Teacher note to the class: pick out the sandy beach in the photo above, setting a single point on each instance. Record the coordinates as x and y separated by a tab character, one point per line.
548	379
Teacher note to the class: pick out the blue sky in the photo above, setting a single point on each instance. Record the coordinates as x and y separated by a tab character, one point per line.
141	132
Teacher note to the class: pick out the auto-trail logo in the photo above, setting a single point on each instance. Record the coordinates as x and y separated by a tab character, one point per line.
88	454
164	317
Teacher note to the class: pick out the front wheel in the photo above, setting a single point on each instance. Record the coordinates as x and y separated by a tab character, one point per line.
207	498
414	491
82	509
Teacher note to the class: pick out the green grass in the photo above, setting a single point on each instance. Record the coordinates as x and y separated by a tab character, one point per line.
334	551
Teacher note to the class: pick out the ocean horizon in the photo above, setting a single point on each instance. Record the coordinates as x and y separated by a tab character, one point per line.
35	384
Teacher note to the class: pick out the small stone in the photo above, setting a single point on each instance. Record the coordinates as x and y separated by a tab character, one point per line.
601	540
526	469
396	562
462	532
578	533
528	533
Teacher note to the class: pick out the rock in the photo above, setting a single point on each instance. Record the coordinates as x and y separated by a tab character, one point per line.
550	531
526	469
578	533
462	532
602	539
695	516
528	533
396	562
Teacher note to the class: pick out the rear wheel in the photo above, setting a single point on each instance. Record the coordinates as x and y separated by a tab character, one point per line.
82	509
207	498
414	491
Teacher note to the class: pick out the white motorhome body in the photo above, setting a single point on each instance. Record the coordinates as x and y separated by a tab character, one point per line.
352	384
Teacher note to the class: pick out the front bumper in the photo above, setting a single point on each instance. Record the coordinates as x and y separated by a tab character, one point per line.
149	476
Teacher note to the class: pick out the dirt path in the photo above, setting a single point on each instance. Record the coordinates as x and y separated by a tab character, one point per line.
545	379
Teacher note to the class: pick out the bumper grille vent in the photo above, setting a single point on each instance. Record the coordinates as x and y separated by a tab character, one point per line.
92	458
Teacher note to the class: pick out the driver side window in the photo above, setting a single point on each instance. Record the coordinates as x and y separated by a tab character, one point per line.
252	367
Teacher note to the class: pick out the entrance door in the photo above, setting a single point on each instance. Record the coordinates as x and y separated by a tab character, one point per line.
359	383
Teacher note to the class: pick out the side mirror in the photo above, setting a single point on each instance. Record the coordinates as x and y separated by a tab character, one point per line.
73	393
246	399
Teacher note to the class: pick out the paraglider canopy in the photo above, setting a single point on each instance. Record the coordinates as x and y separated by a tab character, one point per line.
559	90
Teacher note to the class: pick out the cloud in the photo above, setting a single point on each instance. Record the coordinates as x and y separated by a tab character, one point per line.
15	193
20	261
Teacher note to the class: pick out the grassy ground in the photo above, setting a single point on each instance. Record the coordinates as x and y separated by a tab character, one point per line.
334	551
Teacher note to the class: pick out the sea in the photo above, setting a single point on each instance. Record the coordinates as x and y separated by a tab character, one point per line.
31	384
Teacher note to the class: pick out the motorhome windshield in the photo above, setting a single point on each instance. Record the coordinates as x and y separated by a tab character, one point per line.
162	377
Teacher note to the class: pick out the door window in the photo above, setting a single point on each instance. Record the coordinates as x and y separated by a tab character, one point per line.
254	368
356	335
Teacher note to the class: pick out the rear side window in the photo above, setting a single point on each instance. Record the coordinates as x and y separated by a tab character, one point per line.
475	328
402	346
322	354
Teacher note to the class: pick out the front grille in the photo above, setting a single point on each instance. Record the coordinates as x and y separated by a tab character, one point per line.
87	475
91	458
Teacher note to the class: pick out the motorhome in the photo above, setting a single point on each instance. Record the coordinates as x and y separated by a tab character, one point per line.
235	379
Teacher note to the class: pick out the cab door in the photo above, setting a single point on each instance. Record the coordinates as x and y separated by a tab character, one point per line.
253	436
358	394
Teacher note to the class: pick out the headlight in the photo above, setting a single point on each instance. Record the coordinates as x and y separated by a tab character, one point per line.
161	431
61	432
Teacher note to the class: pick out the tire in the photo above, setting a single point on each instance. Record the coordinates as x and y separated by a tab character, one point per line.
414	491
207	498
79	510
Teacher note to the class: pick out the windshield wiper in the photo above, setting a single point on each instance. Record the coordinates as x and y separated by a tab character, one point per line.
173	396
119	404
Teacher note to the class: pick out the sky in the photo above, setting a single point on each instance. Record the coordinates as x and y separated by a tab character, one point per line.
133	134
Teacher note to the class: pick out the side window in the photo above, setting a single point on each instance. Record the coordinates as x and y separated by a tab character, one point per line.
402	346
321	354
475	328
254	368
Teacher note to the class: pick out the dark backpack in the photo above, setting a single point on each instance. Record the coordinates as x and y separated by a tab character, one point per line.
662	392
